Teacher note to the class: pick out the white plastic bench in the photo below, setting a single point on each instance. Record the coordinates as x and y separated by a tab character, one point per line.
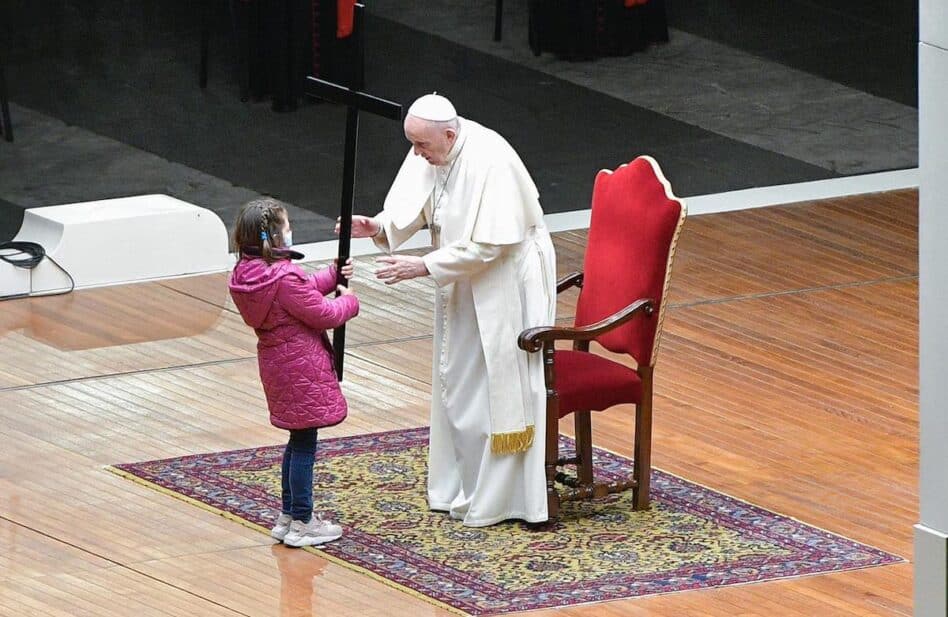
118	241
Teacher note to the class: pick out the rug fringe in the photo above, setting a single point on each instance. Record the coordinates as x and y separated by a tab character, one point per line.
748	503
312	549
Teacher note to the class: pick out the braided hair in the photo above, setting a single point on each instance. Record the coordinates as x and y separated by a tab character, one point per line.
259	228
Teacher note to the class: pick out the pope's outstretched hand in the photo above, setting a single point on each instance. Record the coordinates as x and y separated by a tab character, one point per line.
362	226
397	268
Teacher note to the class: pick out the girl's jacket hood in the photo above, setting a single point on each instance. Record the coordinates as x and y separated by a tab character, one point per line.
254	286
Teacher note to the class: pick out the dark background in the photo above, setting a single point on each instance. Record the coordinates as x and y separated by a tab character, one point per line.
128	71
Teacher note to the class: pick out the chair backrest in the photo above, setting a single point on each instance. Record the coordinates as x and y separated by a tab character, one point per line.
636	220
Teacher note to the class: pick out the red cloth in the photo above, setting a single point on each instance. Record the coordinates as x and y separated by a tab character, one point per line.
345	17
290	314
589	382
631	3
630	233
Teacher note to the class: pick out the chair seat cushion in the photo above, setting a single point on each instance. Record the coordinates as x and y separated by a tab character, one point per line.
586	381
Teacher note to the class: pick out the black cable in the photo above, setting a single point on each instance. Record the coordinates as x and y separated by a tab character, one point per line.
28	255
34	252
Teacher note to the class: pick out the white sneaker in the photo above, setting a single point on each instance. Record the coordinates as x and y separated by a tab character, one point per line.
313	533
282	526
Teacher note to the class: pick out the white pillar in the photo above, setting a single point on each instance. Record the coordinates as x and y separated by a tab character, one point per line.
931	533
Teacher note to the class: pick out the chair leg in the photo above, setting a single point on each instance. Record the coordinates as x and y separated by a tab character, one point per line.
6	128
584	469
241	24
205	43
498	19
552	455
642	455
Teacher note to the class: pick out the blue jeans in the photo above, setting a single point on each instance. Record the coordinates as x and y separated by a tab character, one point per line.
298	459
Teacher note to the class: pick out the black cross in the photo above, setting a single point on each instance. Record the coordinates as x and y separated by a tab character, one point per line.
355	101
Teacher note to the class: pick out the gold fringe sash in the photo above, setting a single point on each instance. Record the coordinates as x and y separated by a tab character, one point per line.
509	443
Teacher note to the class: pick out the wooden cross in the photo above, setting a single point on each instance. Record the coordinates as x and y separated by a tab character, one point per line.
355	101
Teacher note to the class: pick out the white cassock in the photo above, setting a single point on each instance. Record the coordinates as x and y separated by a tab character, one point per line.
494	268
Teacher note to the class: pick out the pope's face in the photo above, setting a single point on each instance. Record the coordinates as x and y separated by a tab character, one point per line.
430	141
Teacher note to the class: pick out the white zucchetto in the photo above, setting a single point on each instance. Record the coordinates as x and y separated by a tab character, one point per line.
434	108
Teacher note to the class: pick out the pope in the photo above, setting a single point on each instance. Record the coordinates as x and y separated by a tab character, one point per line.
494	270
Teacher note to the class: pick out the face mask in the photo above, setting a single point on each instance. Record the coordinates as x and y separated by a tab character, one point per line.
288	240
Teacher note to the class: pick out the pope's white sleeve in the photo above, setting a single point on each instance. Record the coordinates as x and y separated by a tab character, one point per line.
381	238
390	237
461	260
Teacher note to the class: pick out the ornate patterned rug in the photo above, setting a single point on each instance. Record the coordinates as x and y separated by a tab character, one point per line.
691	538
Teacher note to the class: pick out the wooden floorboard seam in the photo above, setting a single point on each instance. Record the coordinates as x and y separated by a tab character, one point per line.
121	565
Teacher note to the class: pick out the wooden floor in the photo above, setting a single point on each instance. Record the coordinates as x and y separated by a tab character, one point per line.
787	377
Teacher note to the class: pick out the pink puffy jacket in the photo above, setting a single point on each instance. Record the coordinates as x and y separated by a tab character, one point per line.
290	314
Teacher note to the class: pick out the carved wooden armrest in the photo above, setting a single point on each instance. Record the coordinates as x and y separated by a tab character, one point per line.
573	279
532	339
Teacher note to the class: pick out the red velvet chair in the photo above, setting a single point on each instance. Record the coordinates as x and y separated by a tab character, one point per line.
636	221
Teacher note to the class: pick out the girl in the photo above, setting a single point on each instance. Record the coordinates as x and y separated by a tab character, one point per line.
290	314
